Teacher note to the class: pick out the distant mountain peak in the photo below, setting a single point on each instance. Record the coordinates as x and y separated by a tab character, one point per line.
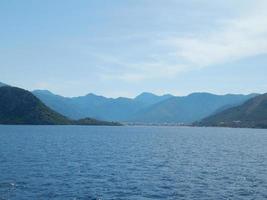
46	92
91	94
144	94
92	97
197	94
150	98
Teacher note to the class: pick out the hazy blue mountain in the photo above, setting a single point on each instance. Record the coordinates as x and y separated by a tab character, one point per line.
58	103
119	109
150	99
91	105
75	107
188	109
18	106
251	114
144	108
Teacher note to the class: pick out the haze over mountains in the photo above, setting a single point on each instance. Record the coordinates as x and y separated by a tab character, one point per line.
145	108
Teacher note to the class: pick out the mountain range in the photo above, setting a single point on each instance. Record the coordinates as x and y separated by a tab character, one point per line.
19	106
145	108
251	114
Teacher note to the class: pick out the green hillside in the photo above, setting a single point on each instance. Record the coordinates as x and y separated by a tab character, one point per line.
252	114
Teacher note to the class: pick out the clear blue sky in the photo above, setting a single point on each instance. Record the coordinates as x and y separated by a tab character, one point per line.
124	47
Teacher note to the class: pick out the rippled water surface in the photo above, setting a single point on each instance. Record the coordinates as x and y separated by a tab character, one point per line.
72	162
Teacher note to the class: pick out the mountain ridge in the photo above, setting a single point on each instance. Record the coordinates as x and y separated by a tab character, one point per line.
187	109
150	98
146	107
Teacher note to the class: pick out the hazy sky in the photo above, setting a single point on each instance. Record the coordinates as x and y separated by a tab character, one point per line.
124	47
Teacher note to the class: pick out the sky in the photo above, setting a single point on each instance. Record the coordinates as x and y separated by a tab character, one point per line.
125	47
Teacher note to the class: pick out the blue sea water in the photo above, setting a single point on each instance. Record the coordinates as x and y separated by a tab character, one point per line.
140	163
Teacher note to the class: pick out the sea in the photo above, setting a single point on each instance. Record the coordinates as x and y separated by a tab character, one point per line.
132	162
